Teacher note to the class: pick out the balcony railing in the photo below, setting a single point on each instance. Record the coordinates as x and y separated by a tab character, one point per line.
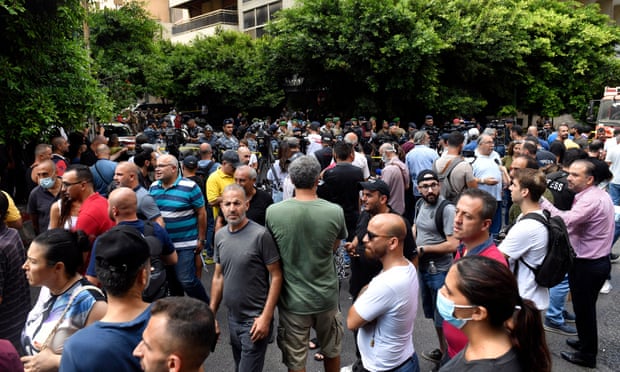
221	16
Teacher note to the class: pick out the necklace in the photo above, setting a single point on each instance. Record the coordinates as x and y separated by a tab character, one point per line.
65	286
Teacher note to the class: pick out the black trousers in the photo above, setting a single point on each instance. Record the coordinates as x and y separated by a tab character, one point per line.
585	280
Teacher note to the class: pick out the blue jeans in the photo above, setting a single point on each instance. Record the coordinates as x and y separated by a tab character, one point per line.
557	300
248	355
412	365
210	231
429	285
496	223
186	274
614	192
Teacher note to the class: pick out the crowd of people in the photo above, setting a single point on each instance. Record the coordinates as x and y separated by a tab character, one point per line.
287	211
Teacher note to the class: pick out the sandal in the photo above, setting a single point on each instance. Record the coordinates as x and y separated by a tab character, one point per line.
319	357
313	344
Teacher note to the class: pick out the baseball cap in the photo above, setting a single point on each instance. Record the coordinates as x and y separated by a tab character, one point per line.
228	121
327	138
376	185
122	248
190	162
427	175
231	156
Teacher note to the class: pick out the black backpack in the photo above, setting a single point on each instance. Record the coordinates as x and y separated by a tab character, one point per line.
438	214
158	284
560	253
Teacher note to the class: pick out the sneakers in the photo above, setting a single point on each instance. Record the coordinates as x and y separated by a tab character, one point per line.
563	329
614	257
434	356
607	287
568	317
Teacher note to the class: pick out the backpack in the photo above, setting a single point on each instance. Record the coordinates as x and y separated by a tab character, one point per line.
447	190
158	285
560	253
438	214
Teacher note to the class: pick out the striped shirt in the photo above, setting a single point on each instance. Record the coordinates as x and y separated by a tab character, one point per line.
177	204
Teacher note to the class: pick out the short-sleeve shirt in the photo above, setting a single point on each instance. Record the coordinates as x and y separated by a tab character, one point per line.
40	201
508	362
46	312
177	205
244	256
216	183
389	305
527	239
147	208
427	234
93	217
305	232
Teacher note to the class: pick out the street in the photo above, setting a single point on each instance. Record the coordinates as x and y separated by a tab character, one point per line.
424	337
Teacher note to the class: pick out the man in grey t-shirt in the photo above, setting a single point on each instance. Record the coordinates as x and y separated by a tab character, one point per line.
435	248
246	257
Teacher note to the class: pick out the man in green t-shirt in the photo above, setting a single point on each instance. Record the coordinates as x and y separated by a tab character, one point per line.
307	231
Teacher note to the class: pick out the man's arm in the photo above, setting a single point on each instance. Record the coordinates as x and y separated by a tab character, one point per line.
170	259
448	246
217	288
201	216
260	328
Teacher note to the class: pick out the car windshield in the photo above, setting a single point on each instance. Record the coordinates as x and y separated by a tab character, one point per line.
119	130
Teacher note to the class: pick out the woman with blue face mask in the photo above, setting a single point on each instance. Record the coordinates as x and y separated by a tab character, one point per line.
481	298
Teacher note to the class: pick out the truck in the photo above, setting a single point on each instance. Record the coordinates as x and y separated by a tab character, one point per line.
605	112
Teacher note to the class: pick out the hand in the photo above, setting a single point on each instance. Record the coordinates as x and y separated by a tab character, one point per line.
217	330
351	249
199	246
260	328
491	181
46	360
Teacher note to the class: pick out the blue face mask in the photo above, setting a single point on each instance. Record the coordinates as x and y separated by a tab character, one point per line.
47	182
446	308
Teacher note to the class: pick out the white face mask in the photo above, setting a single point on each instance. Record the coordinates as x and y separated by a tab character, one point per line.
47	182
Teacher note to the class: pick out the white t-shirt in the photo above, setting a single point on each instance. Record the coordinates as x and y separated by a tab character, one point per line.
389	304
528	239
613	157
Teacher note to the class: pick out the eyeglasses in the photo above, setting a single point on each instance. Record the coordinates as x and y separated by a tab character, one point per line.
164	165
372	235
428	186
69	184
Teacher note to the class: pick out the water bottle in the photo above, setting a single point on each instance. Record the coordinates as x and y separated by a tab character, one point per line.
432	269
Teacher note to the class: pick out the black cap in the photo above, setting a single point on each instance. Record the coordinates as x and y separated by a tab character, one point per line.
427	175
376	185
122	248
190	162
228	121
231	156
327	138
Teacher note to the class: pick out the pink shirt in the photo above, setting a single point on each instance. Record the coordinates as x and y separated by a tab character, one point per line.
590	222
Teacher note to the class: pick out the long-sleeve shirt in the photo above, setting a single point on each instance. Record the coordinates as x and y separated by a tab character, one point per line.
590	222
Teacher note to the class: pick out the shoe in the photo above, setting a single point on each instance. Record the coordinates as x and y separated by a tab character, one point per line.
607	287
578	359
568	317
563	329
574	343
434	356
614	257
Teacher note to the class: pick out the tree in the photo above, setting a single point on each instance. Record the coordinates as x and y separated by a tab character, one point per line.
123	45
46	79
225	71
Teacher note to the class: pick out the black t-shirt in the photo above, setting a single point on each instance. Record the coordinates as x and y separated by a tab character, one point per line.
364	269
258	206
341	186
88	157
324	156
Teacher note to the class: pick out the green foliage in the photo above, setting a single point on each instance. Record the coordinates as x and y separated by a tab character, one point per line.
226	70
46	79
123	46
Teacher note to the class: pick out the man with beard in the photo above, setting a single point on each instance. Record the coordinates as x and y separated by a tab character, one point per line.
384	312
375	195
433	229
246	257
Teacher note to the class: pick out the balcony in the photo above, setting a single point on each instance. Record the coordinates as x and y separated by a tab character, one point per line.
217	17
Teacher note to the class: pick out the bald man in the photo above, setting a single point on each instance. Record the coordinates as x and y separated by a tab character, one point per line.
359	160
122	208
103	170
127	174
41	197
384	311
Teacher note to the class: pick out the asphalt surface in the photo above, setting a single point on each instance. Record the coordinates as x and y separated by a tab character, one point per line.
424	338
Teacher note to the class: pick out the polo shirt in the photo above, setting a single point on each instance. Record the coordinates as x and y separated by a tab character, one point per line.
177	205
216	183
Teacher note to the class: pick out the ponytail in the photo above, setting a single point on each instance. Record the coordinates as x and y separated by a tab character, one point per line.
528	338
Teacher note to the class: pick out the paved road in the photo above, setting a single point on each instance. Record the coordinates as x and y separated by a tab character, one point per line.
424	338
